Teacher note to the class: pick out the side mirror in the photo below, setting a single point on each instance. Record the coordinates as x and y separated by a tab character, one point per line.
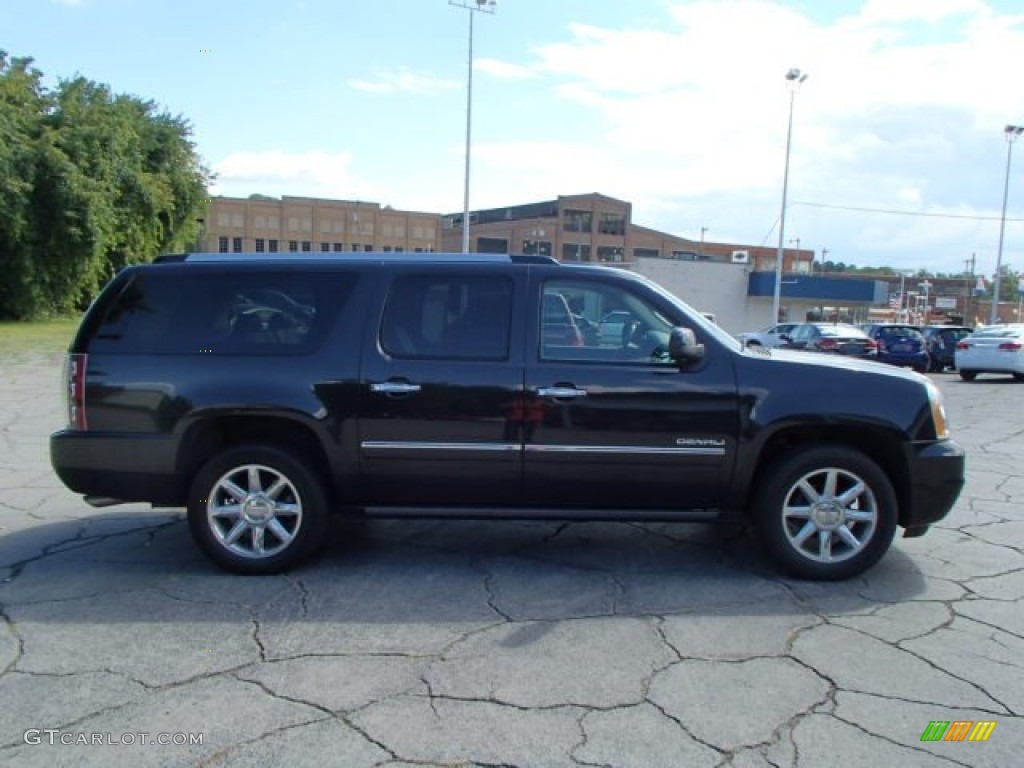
683	346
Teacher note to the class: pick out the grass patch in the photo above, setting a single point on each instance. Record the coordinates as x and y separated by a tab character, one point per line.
44	337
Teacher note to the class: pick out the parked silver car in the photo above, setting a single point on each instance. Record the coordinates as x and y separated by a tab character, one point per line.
994	349
768	337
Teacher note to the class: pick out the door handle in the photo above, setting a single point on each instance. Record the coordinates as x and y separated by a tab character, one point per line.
395	387
561	392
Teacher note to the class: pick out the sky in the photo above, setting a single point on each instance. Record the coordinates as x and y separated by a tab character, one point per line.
897	157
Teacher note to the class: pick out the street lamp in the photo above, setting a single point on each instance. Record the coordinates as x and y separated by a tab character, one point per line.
794	77
702	231
1011	132
487	6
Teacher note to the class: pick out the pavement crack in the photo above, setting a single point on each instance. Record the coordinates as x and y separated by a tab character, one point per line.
895	743
19	641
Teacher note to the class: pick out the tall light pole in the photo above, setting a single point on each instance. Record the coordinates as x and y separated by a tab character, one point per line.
487	6
794	77
1011	132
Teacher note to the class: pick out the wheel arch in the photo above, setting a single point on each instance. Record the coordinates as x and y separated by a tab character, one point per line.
209	436
883	447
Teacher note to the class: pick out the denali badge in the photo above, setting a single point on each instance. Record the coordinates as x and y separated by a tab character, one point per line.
700	442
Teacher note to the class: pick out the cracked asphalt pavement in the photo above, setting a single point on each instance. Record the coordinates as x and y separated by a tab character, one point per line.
503	644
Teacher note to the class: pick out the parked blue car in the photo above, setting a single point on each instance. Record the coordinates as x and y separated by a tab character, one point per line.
900	344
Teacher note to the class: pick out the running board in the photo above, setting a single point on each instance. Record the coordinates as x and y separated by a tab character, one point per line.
540	513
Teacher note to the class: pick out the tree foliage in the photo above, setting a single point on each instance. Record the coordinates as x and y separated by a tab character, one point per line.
90	181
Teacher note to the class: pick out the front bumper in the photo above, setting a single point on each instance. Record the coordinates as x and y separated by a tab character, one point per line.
936	479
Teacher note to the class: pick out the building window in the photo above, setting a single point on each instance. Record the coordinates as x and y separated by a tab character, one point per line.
259	245
609	254
306	246
684	255
575	252
293	246
273	246
399	249
222	244
387	249
536	248
261	222
325	247
368	247
237	220
236	245
339	247
223	220
491	245
612	224
577	221
646	253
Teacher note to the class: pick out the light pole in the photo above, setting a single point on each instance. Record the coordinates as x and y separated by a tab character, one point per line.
1011	132
702	231
794	77
487	6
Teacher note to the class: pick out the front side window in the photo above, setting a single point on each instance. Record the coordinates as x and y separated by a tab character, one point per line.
582	320
448	317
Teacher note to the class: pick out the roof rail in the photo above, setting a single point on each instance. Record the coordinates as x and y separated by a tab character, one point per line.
359	256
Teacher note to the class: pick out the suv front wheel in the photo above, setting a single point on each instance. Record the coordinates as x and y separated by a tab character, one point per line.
255	509
826	512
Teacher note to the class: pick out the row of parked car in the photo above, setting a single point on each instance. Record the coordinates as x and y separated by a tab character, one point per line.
930	348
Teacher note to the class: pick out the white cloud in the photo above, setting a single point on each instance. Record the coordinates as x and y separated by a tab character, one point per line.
904	103
502	69
403	80
316	173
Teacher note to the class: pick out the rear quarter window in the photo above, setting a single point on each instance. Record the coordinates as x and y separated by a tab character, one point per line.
223	312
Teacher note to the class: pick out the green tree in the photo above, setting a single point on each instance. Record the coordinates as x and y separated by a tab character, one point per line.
22	105
109	180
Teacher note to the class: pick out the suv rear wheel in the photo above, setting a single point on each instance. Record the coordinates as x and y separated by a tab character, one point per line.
826	512
255	509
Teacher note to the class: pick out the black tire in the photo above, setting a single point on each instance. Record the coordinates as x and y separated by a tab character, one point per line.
968	375
282	520
826	538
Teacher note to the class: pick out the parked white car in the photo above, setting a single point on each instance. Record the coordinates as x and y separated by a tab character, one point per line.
769	337
994	349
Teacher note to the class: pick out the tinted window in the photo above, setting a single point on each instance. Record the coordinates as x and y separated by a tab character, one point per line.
233	313
590	321
448	317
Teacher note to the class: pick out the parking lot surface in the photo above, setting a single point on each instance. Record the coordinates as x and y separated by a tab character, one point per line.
504	644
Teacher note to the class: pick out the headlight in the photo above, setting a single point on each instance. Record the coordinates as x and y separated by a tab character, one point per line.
938	411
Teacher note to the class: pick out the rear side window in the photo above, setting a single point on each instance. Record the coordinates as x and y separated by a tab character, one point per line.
448	317
228	312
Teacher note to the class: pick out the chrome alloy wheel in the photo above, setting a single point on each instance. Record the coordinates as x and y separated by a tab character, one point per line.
829	515
254	511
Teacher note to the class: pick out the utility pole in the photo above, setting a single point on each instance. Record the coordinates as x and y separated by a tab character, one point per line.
968	314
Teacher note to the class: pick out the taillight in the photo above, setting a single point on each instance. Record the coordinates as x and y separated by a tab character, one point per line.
869	344
74	390
963	345
828	344
1010	346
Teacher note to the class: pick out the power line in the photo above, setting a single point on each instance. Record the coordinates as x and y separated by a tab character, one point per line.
896	212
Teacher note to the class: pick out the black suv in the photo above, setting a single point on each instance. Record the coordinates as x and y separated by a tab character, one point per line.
263	392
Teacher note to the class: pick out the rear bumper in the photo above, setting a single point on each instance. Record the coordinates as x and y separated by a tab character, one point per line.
937	477
911	359
121	467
